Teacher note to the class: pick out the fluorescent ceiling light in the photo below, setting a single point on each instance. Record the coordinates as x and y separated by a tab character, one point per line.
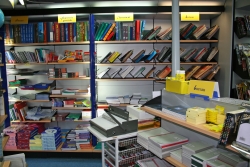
123	3
21	2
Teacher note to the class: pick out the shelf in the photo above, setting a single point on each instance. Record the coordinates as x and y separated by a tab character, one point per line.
154	41
123	64
57	150
66	63
70	108
231	149
5	140
174	162
118	105
49	44
127	79
74	121
1	64
187	63
71	96
3	90
2	119
24	64
199	128
44	120
30	100
79	78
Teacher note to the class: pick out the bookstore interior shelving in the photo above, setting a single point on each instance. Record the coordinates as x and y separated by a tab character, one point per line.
116	86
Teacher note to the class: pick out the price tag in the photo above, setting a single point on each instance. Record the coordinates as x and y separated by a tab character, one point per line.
190	16
124	16
66	18
19	20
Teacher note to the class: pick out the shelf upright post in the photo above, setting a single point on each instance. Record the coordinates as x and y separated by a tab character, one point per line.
4	77
92	70
175	37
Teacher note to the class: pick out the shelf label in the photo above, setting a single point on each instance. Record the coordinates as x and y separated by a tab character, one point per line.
190	16
66	18
124	16
204	88
19	20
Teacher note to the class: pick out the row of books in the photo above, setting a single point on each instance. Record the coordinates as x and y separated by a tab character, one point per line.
242	26
135	99
72	102
194	55
136	31
243	53
198	153
44	32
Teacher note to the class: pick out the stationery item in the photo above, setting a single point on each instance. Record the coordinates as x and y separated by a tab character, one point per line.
137	112
196	115
126	71
150	72
100	75
115	72
162	145
176	111
139	56
143	137
126	56
138	72
191	71
192	148
105	58
164	72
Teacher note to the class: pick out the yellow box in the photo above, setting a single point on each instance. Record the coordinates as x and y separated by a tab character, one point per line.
180	87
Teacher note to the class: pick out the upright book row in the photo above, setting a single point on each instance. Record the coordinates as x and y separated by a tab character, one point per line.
43	32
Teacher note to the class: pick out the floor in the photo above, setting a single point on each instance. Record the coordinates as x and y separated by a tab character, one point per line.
64	162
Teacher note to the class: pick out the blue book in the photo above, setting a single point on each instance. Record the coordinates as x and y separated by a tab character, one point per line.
142	27
40	32
22	33
131	33
27	34
74	32
66	32
139	58
105	32
117	31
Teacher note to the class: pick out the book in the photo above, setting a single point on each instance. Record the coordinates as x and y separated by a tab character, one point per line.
101	74
126	71
164	72
150	72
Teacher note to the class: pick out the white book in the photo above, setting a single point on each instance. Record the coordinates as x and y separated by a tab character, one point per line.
127	71
100	75
115	73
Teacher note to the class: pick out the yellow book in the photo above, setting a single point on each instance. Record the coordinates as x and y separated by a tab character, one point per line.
109	31
114	57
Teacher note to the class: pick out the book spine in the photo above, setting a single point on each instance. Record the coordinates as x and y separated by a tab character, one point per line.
66	32
70	32
82	31
117	31
40	32
57	32
74	32
137	30
77	31
62	31
45	39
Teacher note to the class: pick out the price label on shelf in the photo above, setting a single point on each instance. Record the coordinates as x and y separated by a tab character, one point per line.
19	20
190	16
124	16
66	18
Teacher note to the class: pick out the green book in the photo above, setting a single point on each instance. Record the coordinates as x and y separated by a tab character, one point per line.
102	31
73	117
98	31
199	159
217	163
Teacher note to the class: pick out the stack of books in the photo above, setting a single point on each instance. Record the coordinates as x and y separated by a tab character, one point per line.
152	162
192	148
36	143
176	154
11	131
24	136
51	138
135	98
196	115
162	145
69	145
176	111
232	159
201	158
143	137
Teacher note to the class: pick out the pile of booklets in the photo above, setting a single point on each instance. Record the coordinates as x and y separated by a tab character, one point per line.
162	145
152	162
23	137
192	148
51	138
36	143
177	155
176	111
11	131
135	99
143	137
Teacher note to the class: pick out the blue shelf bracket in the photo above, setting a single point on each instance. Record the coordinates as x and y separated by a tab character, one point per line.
4	77
92	71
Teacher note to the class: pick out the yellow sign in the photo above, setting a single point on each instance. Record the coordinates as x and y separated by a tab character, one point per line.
19	20
66	18
190	16
124	16
205	88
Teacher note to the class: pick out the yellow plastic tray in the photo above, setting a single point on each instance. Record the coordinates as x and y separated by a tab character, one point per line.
180	87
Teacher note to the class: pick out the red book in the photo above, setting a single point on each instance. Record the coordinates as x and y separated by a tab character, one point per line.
70	32
45	39
57	32
21	108
110	36
137	30
62	32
